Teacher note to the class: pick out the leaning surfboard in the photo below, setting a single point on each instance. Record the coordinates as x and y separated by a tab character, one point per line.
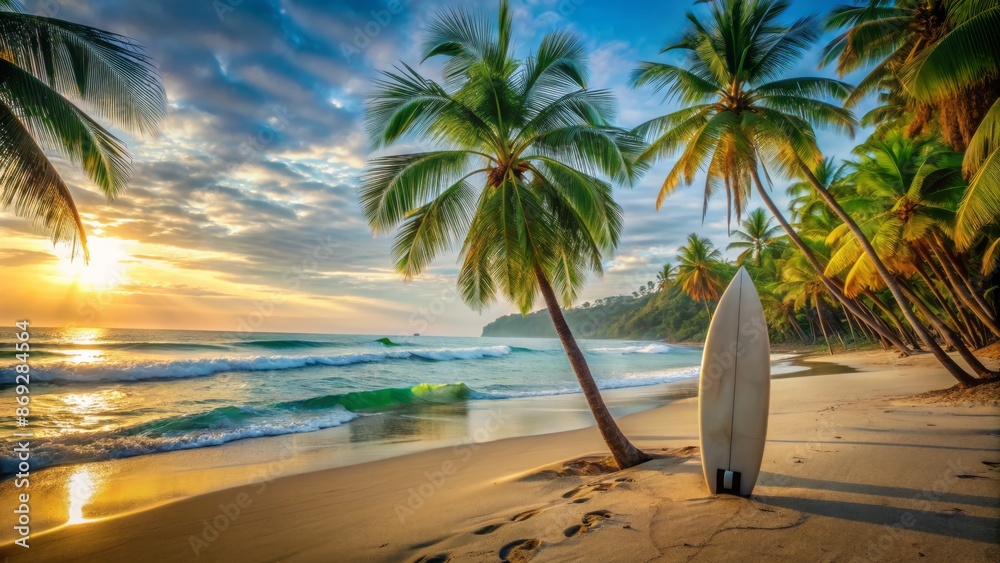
734	390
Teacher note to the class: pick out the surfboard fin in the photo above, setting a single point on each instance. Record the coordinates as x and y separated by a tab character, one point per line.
727	482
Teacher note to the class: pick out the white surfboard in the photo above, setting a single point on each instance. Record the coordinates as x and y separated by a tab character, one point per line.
734	390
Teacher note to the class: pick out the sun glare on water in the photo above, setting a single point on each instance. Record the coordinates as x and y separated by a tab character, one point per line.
106	269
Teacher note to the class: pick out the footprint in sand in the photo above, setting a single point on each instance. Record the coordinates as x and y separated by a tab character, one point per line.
439	558
575	491
589	520
524	515
595	487
519	551
488	529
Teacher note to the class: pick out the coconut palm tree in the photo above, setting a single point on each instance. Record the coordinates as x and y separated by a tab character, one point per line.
521	180
700	271
758	238
801	287
894	39
56	77
910	188
980	207
741	118
940	55
665	277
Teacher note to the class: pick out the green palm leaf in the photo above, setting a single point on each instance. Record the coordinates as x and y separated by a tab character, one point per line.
55	75
967	55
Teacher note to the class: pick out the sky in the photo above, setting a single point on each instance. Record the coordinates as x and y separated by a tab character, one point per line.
242	214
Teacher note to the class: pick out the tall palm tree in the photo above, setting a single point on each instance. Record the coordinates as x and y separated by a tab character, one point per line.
942	55
910	187
54	75
665	277
893	39
801	287
758	238
521	182
740	117
700	270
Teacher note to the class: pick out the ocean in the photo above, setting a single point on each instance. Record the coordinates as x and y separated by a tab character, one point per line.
101	394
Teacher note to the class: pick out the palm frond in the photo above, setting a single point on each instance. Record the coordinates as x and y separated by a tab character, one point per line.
680	84
32	186
59	125
112	74
981	204
967	55
431	228
393	186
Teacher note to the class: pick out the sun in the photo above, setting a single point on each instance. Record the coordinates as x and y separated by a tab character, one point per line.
106	269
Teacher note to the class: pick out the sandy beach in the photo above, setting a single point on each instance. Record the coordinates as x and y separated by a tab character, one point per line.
855	469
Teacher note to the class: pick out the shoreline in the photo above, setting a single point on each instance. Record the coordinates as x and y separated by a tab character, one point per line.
364	499
152	480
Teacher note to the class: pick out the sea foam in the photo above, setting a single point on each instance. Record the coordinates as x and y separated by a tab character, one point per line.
174	369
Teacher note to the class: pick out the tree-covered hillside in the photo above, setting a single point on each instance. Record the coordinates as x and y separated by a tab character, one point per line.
665	315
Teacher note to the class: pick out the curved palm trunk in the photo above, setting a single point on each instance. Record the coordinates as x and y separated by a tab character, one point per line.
877	301
881	322
625	454
850	325
947	333
959	288
827	282
963	311
797	327
963	274
822	326
970	336
949	364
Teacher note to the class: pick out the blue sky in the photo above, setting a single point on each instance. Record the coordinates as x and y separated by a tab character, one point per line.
250	188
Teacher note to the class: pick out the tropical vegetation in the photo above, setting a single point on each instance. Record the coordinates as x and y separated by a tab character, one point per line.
896	246
744	121
522	185
57	79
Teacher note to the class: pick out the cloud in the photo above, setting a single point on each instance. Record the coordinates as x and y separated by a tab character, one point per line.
253	179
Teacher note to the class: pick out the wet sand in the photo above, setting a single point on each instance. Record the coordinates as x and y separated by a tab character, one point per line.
852	471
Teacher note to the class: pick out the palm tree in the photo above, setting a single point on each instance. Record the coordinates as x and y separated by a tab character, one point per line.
700	270
521	181
801	288
665	277
47	68
943	55
980	207
740	117
758	238
915	182
894	39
